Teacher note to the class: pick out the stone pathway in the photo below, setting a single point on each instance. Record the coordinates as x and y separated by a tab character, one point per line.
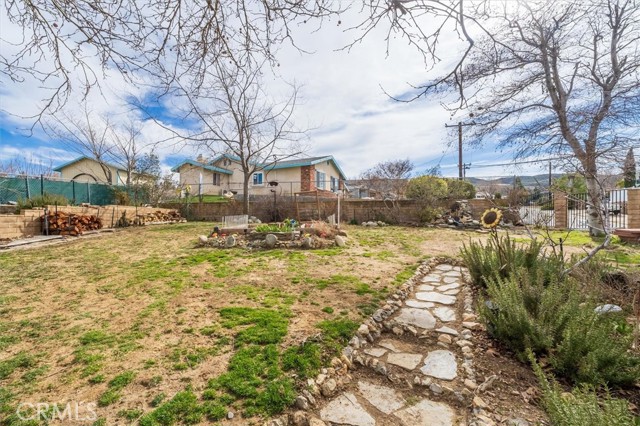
413	364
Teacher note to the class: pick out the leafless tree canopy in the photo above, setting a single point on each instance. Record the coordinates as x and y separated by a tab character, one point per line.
544	77
26	166
165	38
231	114
388	178
100	139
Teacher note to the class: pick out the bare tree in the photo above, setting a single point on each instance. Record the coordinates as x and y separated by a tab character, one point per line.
235	116
555	78
389	177
163	39
87	135
26	166
127	149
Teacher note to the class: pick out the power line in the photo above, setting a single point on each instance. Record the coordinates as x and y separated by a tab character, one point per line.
515	163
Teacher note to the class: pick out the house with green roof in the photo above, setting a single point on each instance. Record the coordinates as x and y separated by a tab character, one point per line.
85	169
223	174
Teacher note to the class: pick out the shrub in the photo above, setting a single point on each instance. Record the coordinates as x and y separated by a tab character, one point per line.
42	201
581	406
460	189
429	214
593	351
524	313
501	256
427	188
528	313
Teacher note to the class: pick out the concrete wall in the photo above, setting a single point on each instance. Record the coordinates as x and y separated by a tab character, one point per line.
402	211
28	223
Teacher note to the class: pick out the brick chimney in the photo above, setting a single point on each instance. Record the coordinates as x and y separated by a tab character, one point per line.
308	178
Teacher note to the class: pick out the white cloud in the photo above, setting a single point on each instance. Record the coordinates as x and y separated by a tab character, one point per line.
344	105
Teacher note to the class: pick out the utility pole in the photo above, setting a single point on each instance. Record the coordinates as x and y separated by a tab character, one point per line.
461	165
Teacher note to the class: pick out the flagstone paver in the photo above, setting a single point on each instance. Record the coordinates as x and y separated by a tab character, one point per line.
377	352
451	286
405	360
346	410
440	364
445	314
426	413
416	317
383	398
418	304
433	296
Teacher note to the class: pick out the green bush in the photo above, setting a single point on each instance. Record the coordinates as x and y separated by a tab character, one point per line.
525	313
460	189
427	188
42	201
581	407
593	351
555	319
429	214
501	256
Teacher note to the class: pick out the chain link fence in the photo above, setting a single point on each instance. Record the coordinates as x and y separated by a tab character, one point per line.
19	188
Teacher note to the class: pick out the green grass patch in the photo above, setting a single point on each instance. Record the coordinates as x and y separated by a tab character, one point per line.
113	394
265	325
183	408
184	359
402	276
255	376
305	360
21	361
337	333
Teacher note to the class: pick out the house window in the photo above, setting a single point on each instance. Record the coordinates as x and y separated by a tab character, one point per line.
334	184
257	178
320	178
216	179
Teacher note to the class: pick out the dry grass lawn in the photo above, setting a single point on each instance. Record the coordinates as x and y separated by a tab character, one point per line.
131	319
159	332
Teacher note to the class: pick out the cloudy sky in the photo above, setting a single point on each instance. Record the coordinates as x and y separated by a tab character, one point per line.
343	103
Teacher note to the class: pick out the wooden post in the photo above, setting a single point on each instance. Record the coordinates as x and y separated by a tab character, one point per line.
318	204
560	210
338	210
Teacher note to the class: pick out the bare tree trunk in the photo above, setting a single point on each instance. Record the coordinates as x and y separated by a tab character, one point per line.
594	206
245	194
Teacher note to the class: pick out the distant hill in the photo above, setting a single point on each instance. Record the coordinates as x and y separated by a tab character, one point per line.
537	181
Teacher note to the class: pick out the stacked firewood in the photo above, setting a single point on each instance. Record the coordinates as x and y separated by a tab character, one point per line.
62	223
158	216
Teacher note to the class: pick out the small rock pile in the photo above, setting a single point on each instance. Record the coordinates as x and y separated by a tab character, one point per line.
458	215
251	241
253	219
375	223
